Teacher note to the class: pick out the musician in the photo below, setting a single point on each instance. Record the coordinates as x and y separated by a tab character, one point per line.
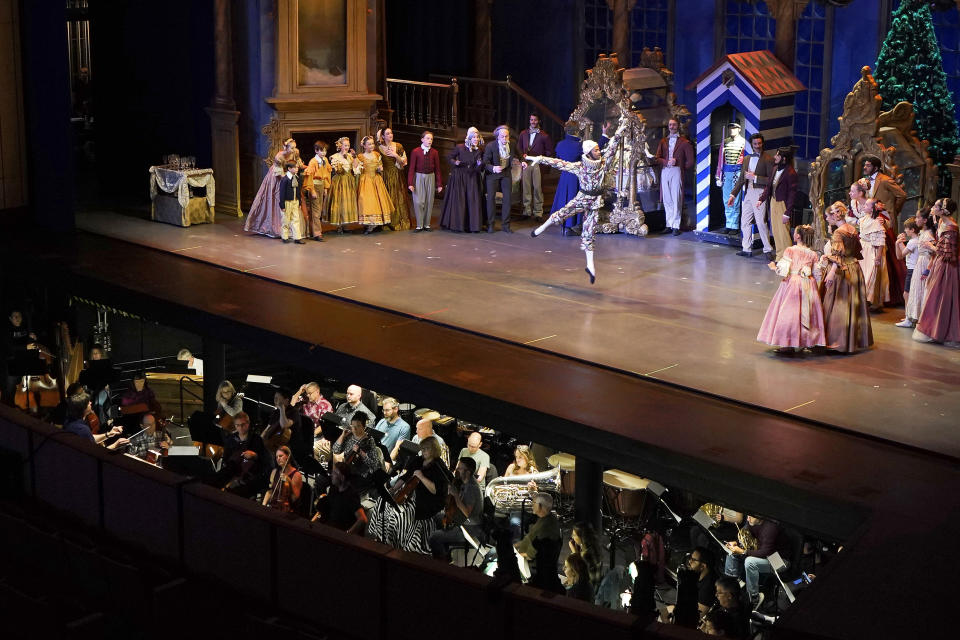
346	410
753	563
481	457
17	342
192	362
701	561
151	436
392	424
340	506
285	427
410	526
584	542
313	405
730	599
285	484
523	462
97	378
575	578
546	530
357	446
140	393
229	402
244	459
425	430
467	506
78	406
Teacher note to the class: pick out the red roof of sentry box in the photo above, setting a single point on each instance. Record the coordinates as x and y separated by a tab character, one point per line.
762	70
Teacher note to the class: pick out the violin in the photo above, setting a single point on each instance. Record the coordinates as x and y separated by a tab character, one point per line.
93	421
409	484
362	445
450	510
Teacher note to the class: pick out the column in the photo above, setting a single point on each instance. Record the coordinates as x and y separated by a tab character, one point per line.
588	492
214	371
786	13
224	117
621	29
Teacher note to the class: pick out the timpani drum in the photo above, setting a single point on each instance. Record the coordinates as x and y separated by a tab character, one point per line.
406	410
626	495
568	471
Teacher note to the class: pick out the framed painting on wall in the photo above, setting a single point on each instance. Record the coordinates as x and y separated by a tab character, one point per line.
321	43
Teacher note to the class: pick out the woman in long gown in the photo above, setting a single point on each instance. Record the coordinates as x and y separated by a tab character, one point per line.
873	239
266	215
462	210
940	317
846	317
343	188
373	201
794	319
926	247
394	176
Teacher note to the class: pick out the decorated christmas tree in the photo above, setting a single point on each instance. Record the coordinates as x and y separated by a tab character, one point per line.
910	69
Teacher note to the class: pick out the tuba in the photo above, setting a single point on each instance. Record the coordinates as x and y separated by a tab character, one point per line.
507	493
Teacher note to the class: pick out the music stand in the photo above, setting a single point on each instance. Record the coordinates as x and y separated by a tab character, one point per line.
192	466
260	381
778	565
407	452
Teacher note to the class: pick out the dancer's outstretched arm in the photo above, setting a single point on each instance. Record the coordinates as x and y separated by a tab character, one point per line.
614	142
556	163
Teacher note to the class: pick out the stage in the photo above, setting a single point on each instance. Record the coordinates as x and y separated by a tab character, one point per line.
670	308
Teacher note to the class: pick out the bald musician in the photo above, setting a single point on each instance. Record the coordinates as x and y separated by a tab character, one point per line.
481	457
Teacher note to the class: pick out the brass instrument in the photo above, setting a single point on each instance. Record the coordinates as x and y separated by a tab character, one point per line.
746	540
508	493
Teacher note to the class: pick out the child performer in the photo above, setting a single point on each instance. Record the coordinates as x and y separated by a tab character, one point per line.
874	264
590	170
940	317
316	186
846	316
794	319
373	201
290	202
343	187
908	250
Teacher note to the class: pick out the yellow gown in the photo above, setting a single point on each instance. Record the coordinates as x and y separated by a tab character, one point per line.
373	201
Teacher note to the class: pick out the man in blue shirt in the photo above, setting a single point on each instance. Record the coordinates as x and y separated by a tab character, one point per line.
392	424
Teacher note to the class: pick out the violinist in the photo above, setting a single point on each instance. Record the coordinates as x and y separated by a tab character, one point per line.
410	526
151	436
244	460
78	406
229	402
359	450
286	482
340	506
140	394
284	428
465	501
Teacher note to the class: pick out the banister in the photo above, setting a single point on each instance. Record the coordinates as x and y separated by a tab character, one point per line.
418	83
536	103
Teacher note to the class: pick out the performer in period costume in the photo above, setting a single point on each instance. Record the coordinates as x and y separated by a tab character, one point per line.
266	213
533	142
395	178
794	319
674	156
291	228
498	159
926	242
874	263
462	207
885	189
424	180
940	317
728	172
568	185
373	201
843	292
316	188
783	189
343	188
590	171
757	170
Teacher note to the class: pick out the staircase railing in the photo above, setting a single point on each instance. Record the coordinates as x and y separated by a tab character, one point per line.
485	104
426	105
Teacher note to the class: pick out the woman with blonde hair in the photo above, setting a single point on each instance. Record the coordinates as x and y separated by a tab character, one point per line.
462	206
373	202
343	185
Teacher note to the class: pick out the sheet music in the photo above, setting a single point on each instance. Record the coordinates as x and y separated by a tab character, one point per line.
705	521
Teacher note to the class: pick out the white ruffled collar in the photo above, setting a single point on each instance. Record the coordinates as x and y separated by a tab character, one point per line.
590	162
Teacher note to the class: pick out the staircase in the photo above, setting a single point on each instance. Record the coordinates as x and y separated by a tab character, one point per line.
449	106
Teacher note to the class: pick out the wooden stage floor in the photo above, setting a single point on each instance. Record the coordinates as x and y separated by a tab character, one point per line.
674	309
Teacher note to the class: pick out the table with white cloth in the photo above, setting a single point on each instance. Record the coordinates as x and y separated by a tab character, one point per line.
171	200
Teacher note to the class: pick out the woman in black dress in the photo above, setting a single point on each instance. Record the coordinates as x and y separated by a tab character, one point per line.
462	204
